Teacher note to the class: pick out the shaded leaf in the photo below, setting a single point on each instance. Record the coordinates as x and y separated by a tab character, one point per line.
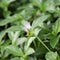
39	21
21	40
29	41
54	40
29	51
56	27
10	19
15	58
14	50
51	56
2	34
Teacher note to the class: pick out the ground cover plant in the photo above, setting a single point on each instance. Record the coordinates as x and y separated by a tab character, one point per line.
29	29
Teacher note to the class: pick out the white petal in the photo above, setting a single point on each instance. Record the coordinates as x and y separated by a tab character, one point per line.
25	29
27	25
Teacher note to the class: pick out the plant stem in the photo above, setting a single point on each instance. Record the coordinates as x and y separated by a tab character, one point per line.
43	44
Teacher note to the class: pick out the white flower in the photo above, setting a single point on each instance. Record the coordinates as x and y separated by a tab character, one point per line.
27	26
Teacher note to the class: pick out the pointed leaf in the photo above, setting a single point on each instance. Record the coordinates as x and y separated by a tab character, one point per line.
56	27
30	40
51	56
14	50
29	51
39	21
54	40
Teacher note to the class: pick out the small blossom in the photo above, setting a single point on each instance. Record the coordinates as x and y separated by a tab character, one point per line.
27	26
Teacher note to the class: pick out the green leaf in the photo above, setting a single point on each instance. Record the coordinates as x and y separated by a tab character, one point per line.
56	27
44	5
37	2
27	12
9	1
10	19
29	41
36	31
14	36
21	40
14	50
50	5
58	58
29	51
54	40
57	2
14	28
40	50
22	58
5	3
11	29
51	56
2	34
39	21
15	58
32	58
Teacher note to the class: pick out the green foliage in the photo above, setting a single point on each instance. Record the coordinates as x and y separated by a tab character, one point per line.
14	50
29	29
51	56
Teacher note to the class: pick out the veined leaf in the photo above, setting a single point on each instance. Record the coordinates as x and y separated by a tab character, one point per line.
2	34
50	8
29	41
37	2
5	3
11	29
15	58
21	40
56	27
39	21
14	50
10	19
54	40
51	56
29	51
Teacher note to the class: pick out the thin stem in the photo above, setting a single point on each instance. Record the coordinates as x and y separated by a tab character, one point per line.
43	44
